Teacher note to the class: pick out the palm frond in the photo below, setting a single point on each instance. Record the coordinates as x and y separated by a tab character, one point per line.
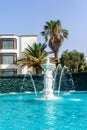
34	56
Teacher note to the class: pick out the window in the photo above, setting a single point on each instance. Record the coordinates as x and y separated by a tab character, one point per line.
8	58
8	43
8	71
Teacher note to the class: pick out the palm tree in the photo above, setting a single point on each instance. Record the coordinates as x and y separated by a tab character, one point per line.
34	57
55	35
74	60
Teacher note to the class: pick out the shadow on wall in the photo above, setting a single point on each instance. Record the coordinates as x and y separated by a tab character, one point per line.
13	83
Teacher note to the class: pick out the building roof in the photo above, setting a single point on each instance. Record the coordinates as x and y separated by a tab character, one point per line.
18	35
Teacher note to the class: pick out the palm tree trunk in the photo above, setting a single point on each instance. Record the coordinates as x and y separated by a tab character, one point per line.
56	59
38	70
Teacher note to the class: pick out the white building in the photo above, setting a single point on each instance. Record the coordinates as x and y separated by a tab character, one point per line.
11	47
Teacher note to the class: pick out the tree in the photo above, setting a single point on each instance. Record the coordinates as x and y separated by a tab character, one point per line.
74	60
34	56
55	35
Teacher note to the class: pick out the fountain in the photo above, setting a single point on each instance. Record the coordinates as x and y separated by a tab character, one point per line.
32	83
61	78
48	81
72	82
58	70
65	79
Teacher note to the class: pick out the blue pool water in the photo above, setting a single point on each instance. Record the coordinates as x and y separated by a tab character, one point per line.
23	112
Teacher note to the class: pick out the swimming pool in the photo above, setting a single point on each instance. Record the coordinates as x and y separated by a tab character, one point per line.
23	112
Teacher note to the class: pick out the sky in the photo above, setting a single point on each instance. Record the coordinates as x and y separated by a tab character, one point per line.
28	17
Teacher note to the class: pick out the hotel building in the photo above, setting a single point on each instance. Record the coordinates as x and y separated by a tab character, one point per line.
11	47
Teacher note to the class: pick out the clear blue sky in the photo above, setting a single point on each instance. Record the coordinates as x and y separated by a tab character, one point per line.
29	17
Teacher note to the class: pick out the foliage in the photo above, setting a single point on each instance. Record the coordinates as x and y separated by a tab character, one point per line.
74	60
55	35
34	56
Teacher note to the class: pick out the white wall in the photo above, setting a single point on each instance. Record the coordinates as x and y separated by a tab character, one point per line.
25	40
